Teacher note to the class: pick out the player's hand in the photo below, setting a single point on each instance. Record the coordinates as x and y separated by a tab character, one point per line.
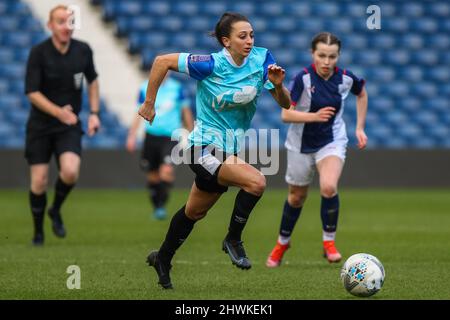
324	114
362	138
276	74
67	116
147	111
131	143
93	124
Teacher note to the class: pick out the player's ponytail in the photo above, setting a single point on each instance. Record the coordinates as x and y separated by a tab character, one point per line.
223	27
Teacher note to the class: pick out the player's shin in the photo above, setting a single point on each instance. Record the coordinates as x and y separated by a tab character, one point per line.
288	222
243	206
179	229
62	190
329	212
38	204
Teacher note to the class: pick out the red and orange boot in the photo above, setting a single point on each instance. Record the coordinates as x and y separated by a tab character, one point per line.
274	259
330	252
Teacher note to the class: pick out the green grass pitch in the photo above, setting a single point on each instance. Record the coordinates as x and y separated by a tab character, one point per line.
110	233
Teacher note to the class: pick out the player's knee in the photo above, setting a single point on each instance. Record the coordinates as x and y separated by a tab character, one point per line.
195	214
297	199
328	190
166	173
39	184
69	175
257	185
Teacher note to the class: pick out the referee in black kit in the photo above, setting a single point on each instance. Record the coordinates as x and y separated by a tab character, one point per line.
53	84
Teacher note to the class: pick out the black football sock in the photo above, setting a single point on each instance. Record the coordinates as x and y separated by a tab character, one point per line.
163	193
61	191
37	205
243	206
289	219
154	193
329	212
179	229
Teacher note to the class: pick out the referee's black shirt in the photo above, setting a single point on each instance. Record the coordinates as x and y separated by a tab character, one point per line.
59	77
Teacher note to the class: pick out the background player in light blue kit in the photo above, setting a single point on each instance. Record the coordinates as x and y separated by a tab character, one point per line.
229	83
173	112
317	138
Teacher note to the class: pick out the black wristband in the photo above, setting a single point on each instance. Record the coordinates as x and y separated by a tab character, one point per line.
94	112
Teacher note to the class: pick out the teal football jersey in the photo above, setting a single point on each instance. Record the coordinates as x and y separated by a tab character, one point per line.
226	95
170	100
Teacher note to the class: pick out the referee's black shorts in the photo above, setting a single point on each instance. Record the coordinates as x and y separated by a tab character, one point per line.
40	145
206	161
156	151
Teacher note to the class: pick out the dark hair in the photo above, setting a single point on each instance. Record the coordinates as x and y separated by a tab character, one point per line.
223	27
326	38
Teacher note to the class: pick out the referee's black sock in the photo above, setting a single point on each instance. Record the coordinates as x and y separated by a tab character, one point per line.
179	229
61	191
243	206
38	204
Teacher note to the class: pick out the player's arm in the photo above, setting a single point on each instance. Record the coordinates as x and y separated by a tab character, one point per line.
161	65
94	103
63	114
294	116
281	95
132	133
361	112
188	119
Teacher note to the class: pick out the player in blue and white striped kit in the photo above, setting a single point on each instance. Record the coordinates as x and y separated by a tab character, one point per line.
229	83
317	138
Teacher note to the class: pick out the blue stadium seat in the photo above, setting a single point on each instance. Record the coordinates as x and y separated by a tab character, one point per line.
424	89
367	57
157	8
9	23
382	41
382	105
283	24
270	9
6	55
246	9
411	74
259	25
438	41
298	9
354	41
186	8
411	9
310	25
199	24
354	9
439	9
411	41
425	117
396	57
12	70
325	9
425	57
269	40
424	25
185	41
382	74
215	9
439	74
409	104
396	24
298	40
